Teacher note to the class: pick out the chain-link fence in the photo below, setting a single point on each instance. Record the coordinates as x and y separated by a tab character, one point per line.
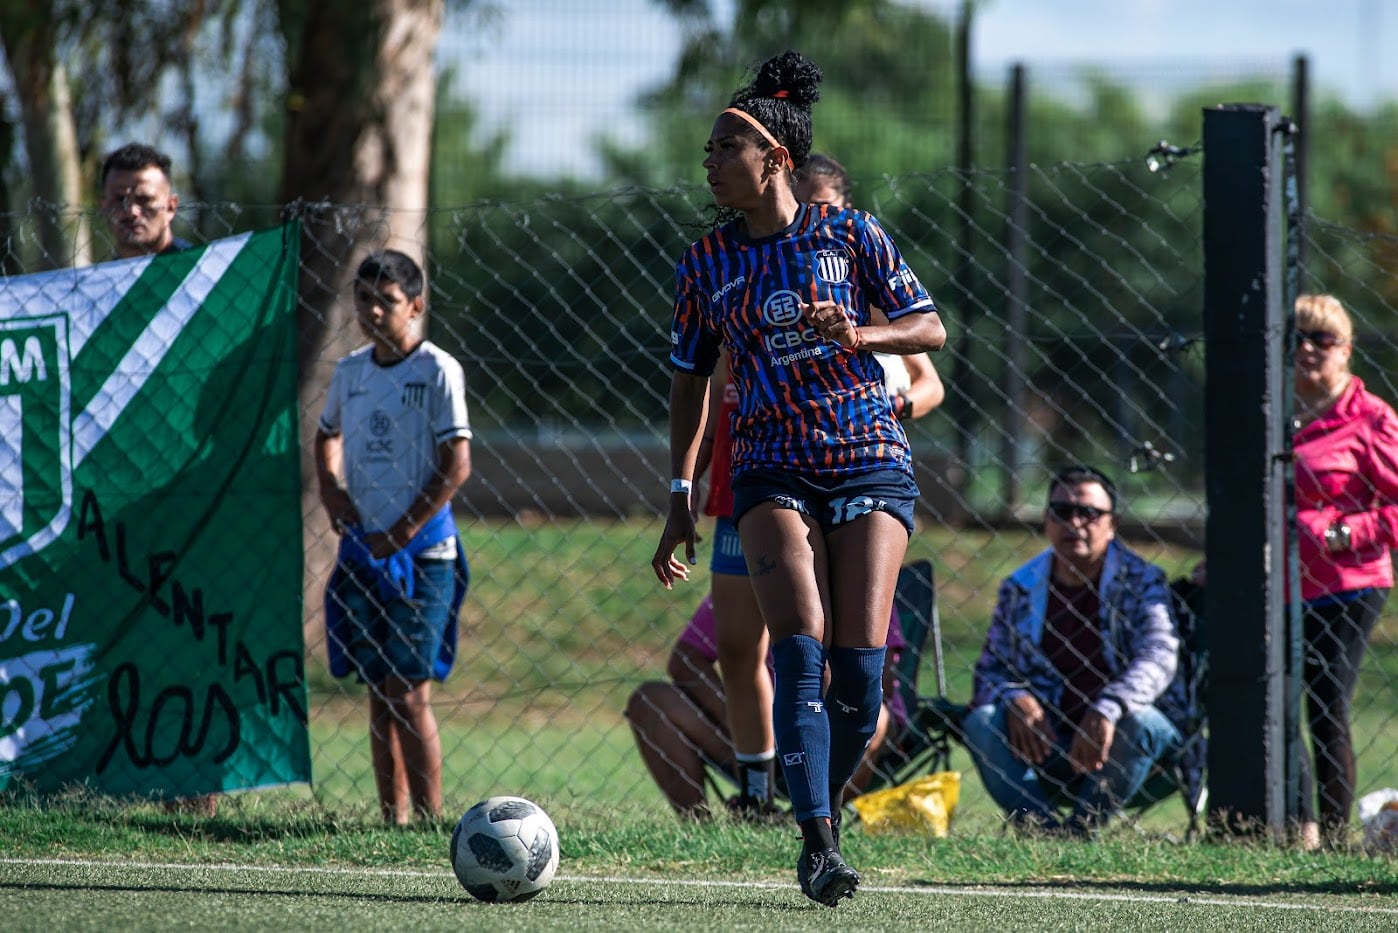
1074	337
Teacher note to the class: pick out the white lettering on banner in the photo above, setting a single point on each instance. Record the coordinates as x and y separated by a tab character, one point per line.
11	464
26	366
35	434
43	697
35	627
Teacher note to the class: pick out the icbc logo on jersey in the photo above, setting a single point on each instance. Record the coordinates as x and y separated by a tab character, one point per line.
795	339
782	309
380	424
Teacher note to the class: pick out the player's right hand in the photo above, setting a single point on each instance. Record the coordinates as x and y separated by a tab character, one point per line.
679	528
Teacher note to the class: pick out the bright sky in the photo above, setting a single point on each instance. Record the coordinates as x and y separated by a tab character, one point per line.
559	72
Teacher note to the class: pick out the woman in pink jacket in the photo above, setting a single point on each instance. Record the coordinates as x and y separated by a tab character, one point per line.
1346	449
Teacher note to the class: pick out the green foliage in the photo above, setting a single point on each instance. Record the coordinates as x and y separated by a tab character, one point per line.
886	95
561	305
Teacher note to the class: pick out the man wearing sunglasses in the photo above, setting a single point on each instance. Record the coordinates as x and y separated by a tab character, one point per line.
1076	694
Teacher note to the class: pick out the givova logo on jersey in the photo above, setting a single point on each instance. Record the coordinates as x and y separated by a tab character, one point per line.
36	480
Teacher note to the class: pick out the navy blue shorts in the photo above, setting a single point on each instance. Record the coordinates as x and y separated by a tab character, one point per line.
727	557
832	501
398	637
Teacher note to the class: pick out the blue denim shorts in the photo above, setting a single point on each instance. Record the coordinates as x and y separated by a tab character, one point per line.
398	637
832	501
727	557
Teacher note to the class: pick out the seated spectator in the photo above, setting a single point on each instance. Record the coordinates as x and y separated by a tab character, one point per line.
1076	695
681	724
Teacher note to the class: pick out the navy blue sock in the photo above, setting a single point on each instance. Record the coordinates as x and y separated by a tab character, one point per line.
757	775
800	726
852	704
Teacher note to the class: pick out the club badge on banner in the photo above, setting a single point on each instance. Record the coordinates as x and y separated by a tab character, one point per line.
150	523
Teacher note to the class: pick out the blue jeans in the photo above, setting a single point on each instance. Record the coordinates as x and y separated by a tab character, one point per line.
1036	792
398	637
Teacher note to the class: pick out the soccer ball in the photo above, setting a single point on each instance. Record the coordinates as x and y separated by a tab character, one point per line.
1378	814
504	849
1381	832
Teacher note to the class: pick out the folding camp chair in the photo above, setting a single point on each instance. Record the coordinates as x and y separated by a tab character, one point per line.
1185	774
923	745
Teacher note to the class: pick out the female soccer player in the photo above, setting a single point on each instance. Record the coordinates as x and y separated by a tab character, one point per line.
822	477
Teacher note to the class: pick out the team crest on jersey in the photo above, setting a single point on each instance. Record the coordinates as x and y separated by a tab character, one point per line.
832	265
380	423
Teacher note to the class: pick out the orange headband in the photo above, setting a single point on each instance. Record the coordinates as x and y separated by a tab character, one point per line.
757	125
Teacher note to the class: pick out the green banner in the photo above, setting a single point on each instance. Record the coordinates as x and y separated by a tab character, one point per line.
150	524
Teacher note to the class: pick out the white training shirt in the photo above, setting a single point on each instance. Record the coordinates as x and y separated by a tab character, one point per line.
896	377
393	418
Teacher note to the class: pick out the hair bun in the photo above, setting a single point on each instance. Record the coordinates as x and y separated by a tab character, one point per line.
789	75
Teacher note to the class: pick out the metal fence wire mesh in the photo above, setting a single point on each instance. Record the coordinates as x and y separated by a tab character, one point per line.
1075	336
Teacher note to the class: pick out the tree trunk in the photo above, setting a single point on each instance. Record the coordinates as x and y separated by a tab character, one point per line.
358	144
10	263
50	135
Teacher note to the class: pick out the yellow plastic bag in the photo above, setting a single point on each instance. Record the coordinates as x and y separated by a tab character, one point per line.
924	805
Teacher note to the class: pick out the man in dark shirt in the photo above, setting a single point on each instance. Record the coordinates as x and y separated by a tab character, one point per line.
1078	668
139	201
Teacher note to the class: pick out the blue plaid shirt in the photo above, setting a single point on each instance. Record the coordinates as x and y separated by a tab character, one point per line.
1140	640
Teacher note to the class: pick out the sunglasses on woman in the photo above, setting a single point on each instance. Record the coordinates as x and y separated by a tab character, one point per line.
1320	339
1067	512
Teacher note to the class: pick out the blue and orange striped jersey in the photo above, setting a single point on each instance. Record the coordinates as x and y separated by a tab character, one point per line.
805	403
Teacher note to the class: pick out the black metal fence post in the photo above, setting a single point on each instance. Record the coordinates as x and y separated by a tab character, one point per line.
1017	289
1245	465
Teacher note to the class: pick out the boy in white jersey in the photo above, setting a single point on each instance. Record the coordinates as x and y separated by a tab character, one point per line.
392	448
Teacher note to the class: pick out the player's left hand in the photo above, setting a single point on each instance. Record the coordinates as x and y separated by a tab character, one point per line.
831	322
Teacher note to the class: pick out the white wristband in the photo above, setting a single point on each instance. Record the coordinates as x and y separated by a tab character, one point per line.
682	486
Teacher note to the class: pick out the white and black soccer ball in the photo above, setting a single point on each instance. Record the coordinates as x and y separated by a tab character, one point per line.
504	849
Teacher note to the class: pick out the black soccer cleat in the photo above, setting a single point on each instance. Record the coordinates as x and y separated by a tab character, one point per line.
825	878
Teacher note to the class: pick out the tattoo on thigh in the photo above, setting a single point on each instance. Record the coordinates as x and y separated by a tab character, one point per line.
762	566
